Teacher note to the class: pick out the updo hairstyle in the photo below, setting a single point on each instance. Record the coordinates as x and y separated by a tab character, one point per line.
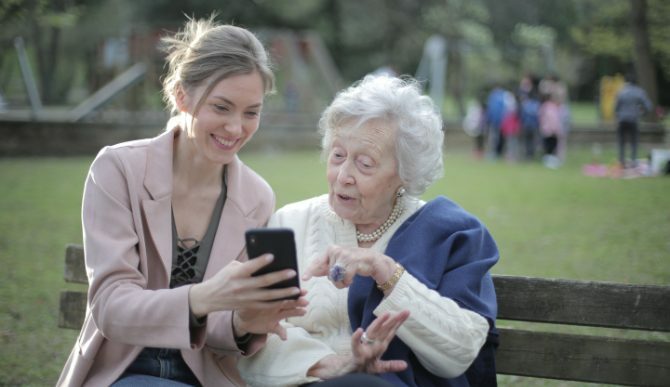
205	51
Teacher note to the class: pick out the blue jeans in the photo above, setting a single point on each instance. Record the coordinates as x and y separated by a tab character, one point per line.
157	367
134	380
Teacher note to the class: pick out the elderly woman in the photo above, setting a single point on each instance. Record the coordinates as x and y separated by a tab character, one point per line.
396	262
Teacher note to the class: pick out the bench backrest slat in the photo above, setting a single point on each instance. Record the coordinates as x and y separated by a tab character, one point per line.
75	268
600	304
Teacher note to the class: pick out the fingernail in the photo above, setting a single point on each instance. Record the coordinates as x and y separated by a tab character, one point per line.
270	257
295	291
291	274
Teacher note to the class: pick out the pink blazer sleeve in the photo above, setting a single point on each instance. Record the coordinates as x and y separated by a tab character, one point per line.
122	308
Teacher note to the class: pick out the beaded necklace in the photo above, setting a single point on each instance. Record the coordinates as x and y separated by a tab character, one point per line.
373	236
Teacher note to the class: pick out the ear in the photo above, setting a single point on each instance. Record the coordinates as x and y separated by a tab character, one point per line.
182	99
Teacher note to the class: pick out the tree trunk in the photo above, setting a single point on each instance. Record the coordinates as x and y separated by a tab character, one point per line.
46	52
52	53
40	57
456	75
333	8
642	56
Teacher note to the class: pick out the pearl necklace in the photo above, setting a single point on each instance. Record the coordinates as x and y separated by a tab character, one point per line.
373	236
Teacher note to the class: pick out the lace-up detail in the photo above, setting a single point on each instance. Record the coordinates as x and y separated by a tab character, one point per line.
191	256
184	271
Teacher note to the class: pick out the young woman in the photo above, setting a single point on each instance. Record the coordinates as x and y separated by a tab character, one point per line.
172	300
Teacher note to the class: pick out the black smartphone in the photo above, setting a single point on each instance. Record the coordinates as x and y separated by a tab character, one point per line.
280	242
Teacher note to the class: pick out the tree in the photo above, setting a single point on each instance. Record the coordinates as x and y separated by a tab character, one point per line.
461	23
627	34
42	22
642	57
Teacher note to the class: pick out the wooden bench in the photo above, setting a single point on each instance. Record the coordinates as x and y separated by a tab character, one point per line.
545	351
72	308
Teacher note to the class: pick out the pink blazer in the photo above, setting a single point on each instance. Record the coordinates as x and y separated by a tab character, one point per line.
126	220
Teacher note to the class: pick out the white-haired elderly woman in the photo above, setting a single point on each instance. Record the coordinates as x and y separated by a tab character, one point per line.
397	287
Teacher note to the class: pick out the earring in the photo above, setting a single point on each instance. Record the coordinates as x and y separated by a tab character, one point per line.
401	192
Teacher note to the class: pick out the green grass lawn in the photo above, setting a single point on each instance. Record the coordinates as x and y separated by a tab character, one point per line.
549	223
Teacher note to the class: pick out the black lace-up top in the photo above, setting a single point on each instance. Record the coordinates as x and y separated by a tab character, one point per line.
190	256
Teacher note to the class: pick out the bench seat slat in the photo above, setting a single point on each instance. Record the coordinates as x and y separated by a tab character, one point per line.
600	304
583	358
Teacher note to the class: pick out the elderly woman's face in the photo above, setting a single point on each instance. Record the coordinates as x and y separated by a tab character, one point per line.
363	173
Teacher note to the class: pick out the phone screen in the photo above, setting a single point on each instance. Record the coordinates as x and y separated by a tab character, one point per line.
280	242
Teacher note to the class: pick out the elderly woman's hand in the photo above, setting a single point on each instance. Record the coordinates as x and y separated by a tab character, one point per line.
341	264
368	346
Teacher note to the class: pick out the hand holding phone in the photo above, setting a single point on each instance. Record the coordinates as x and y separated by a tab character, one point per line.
279	242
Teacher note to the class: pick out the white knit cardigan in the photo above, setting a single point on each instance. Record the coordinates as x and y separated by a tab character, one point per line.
445	337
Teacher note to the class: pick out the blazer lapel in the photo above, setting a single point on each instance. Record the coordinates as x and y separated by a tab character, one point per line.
158	208
159	222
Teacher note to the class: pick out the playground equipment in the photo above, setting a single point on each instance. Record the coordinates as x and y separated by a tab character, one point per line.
307	79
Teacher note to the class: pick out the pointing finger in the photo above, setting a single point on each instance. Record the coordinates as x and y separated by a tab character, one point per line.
317	268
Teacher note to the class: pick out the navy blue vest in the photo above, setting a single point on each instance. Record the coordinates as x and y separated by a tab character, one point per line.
450	251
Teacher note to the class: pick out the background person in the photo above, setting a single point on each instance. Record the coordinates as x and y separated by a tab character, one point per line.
495	113
553	88
551	127
631	103
529	107
387	253
474	124
500	107
169	301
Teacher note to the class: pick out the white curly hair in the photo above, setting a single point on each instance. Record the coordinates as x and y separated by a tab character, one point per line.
398	102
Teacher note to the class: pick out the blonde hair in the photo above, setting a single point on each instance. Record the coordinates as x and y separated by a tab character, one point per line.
205	51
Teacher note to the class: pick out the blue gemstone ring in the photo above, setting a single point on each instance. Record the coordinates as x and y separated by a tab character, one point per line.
336	273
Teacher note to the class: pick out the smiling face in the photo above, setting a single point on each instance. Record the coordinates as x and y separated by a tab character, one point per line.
227	117
363	174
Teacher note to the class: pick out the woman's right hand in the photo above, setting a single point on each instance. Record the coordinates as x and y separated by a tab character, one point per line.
234	287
